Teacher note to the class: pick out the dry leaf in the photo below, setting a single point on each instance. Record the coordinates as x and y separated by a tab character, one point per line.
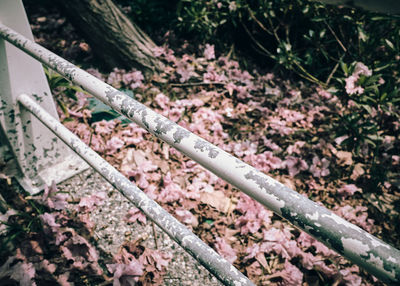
216	199
165	151
357	171
182	180
161	163
128	161
260	257
345	158
205	97
139	157
229	234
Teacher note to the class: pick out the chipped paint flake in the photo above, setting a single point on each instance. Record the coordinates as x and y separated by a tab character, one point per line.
341	221
375	260
377	243
204	146
180	134
355	246
313	216
163	126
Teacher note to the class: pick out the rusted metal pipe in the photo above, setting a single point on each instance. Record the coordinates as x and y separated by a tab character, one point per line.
217	265
360	247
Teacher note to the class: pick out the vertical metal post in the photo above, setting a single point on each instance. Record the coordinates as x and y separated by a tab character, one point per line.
41	156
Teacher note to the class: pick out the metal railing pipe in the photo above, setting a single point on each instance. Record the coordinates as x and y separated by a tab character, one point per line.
360	247
217	265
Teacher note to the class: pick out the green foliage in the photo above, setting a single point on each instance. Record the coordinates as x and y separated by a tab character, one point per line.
308	38
25	221
101	111
368	121
59	85
151	16
316	42
205	18
21	224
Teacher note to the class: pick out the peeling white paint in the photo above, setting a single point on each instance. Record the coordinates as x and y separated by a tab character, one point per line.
377	243
275	202
341	221
375	260
355	246
313	216
379	263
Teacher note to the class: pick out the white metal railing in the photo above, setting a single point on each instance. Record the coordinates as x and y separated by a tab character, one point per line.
369	252
217	265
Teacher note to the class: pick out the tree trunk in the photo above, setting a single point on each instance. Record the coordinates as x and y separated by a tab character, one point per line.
114	39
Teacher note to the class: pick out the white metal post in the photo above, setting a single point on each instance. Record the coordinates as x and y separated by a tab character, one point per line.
41	156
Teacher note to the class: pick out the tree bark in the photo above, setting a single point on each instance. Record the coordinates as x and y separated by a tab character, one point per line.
113	38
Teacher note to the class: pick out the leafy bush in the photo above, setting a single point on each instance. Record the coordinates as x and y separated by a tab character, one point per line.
324	45
151	16
308	38
62	89
368	125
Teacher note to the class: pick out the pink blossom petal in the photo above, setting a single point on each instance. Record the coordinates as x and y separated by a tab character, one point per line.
209	53
348	190
125	274
90	202
134	214
225	249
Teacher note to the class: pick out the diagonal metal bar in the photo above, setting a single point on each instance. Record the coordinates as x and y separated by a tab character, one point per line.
360	247
217	265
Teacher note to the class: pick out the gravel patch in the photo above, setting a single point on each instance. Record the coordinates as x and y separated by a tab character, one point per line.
111	230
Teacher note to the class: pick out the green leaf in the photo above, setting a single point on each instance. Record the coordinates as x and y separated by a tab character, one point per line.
368	98
361	34
68	119
390	44
367	108
101	111
370	142
382	67
128	92
332	90
395	100
362	79
63	108
71	94
383	96
209	221
345	68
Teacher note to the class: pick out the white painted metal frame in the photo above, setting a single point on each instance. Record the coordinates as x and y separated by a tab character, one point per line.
217	265
41	156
